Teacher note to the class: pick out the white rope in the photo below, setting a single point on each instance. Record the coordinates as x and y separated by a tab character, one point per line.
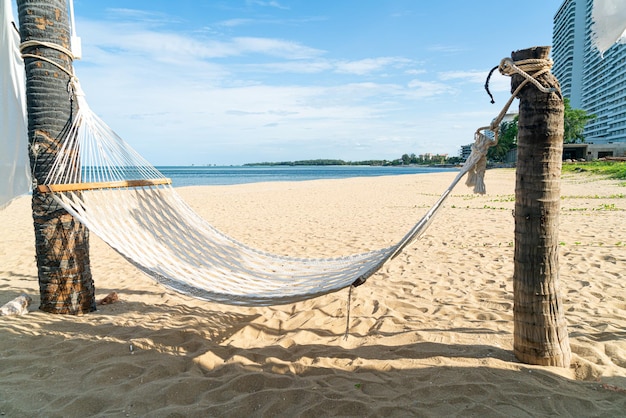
524	67
480	147
31	44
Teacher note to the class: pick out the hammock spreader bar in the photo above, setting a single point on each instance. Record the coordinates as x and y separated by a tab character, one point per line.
70	187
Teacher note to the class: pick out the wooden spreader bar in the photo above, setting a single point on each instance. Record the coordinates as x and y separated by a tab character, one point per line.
70	187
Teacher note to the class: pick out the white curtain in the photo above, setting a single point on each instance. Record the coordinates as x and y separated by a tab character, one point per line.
609	23
14	164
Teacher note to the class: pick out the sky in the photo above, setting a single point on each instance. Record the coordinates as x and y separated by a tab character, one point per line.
232	82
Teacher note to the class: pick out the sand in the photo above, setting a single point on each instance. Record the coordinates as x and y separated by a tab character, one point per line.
431	334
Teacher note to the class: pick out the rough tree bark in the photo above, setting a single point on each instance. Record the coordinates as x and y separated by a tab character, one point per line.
540	330
62	244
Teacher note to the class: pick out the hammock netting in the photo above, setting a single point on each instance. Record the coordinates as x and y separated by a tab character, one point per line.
123	199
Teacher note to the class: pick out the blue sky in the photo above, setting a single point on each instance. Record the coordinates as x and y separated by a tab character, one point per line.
231	82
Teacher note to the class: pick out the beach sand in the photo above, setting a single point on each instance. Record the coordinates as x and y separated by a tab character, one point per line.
431	334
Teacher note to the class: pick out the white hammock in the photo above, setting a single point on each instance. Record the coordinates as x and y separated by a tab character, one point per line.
120	197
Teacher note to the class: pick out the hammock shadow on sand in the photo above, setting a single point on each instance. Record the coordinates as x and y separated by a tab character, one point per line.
164	327
215	380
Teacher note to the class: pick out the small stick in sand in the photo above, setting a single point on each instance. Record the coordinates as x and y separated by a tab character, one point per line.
109	299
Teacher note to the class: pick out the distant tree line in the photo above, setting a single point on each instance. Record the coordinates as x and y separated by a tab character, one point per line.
406	159
301	162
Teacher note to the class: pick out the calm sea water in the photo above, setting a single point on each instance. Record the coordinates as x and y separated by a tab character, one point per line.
202	176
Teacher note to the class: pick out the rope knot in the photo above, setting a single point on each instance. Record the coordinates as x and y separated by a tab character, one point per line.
506	66
476	174
530	69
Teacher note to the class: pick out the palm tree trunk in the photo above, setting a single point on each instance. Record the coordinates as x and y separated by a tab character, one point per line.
62	244
540	330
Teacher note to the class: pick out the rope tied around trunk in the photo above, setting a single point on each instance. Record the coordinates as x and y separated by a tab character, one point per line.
73	80
71	84
32	44
530	70
534	66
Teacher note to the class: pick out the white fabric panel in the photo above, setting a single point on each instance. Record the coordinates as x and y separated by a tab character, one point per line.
14	164
609	23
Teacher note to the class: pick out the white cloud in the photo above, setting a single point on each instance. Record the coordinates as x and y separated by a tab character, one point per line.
369	65
143	16
295	67
219	101
274	47
418	88
167	46
230	23
450	49
271	3
471	76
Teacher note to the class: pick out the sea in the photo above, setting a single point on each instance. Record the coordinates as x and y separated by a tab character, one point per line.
213	176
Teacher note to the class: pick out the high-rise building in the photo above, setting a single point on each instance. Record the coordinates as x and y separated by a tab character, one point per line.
592	82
